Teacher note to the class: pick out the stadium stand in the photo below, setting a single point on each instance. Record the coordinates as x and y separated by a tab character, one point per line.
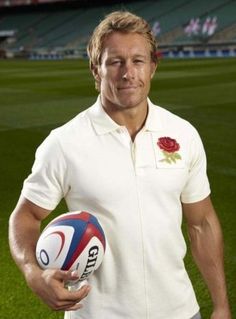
65	31
225	13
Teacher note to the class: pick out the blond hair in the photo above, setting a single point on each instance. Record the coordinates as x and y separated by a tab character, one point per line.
119	21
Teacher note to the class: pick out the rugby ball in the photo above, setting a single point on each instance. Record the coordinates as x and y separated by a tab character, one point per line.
72	241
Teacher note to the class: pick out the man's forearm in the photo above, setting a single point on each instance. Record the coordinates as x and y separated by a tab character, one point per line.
22	239
207	250
24	230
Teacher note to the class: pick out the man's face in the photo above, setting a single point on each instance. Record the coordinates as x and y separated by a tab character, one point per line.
126	70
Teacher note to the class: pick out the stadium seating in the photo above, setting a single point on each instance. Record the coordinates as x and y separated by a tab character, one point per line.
225	13
71	28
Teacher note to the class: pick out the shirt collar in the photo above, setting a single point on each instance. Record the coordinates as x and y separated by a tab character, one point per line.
154	121
104	124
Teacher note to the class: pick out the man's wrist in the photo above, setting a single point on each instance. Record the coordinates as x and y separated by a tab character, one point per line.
222	311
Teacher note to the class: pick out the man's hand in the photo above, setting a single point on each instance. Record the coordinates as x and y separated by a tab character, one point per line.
49	285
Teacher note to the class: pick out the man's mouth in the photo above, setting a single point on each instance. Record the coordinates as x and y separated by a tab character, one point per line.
129	87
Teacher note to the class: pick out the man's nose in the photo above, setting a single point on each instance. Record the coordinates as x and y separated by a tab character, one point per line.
128	71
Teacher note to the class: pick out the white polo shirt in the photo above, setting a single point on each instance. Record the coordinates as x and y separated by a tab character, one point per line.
135	189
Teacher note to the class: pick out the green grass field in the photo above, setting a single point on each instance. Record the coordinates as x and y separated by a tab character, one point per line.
38	96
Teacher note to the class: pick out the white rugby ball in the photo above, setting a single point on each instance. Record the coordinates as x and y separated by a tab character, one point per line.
72	241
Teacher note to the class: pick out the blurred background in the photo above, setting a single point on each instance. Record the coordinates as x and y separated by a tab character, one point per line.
45	81
61	28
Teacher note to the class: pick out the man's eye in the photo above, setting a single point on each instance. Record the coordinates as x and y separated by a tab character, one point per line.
115	62
138	61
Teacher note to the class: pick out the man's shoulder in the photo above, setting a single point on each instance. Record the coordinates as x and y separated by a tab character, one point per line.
79	125
172	121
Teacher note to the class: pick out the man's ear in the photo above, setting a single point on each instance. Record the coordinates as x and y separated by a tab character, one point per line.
153	69
95	72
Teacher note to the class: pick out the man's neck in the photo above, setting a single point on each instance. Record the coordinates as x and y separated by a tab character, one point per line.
132	118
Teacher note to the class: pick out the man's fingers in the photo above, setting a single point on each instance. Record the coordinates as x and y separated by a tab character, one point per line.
57	296
72	275
78	295
66	275
77	306
68	306
71	300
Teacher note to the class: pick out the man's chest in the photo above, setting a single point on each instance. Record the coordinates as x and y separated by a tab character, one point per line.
111	167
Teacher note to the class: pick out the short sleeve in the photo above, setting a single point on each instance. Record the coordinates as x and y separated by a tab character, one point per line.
46	185
197	186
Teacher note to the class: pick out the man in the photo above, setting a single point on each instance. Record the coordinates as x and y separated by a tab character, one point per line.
137	167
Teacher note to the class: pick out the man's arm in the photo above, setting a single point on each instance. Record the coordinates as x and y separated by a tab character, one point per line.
24	231
207	249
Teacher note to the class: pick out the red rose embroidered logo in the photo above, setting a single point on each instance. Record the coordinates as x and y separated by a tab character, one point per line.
169	147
